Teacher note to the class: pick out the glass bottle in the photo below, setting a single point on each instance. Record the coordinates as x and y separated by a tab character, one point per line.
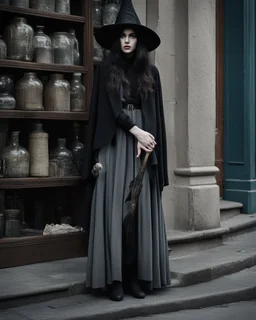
15	158
20	3
19	38
3	48
7	100
38	150
63	48
43	5
61	160
12	223
77	148
77	93
110	12
29	92
75	46
57	93
97	12
62	6
43	52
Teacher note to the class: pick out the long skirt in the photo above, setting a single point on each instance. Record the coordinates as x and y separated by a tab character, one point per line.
109	207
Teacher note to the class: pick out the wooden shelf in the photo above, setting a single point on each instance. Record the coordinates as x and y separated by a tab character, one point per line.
35	249
43	14
6	63
50	115
27	183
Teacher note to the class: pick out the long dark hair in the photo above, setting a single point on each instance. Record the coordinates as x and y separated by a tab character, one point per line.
140	62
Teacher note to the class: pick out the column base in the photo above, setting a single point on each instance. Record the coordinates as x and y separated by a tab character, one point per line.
197	202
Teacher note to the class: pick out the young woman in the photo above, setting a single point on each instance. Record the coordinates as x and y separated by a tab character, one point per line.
126	121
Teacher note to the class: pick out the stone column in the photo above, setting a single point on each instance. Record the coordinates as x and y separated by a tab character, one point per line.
196	192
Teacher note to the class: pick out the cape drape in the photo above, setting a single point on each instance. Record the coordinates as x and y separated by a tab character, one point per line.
106	106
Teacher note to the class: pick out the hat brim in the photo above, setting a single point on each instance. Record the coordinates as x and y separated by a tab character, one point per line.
107	35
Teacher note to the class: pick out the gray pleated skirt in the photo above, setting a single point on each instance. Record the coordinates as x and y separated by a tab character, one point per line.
104	263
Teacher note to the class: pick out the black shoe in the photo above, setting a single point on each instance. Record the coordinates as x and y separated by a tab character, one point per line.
136	290
116	291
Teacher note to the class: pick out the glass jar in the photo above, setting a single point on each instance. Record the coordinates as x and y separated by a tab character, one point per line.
98	52
75	46
12	223
15	158
63	48
97	12
7	100
29	92
57	93
43	5
110	12
43	52
77	93
3	48
20	3
77	148
19	38
38	150
61	160
62	6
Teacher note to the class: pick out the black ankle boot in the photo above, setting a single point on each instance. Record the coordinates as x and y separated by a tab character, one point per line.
136	290
116	291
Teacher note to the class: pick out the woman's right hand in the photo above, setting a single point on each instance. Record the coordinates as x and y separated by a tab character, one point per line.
146	139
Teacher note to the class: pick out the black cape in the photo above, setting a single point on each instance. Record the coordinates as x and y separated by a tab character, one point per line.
105	107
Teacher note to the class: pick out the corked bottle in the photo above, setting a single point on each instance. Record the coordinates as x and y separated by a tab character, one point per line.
12	223
57	93
19	40
20	3
61	160
43	52
43	5
3	48
15	159
39	152
77	93
29	93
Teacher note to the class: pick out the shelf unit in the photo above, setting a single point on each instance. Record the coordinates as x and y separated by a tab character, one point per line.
39	248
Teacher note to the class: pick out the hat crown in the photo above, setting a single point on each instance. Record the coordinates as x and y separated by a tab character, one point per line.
127	14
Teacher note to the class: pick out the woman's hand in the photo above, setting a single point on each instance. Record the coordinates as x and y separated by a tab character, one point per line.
141	147
146	139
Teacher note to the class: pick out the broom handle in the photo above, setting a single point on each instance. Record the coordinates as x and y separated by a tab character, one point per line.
144	164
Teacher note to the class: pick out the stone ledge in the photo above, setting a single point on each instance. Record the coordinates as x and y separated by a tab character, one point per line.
229	205
237	223
233	256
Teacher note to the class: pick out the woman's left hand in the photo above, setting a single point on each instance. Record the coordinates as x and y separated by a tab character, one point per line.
141	147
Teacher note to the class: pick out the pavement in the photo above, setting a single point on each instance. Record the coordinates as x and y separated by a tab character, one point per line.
237	287
235	311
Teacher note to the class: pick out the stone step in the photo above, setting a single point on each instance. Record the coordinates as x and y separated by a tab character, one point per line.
233	256
229	209
186	242
240	286
45	281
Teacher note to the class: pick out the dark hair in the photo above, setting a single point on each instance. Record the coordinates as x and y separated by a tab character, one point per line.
118	63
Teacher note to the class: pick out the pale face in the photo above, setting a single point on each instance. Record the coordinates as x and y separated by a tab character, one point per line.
128	41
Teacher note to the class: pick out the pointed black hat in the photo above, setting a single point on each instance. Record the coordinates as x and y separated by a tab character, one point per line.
127	18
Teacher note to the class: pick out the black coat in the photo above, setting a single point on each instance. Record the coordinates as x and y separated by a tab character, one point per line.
106	106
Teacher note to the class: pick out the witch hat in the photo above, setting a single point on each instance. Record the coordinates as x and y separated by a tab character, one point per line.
127	18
